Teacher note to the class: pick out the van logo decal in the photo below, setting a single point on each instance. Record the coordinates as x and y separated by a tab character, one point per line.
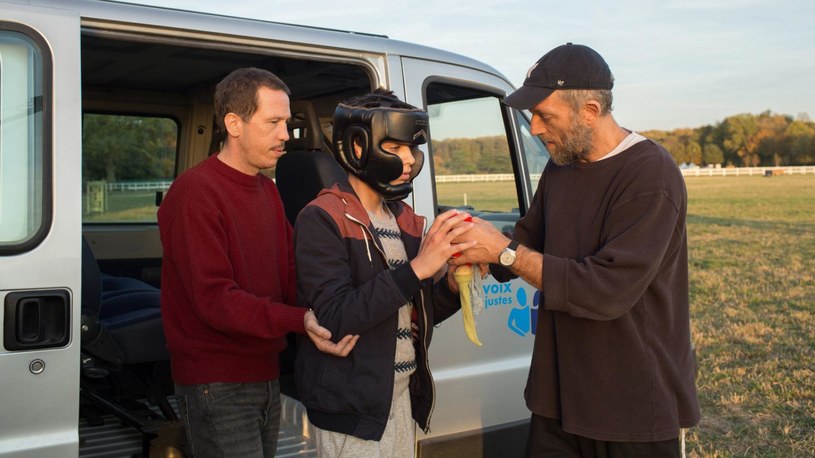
522	317
523	320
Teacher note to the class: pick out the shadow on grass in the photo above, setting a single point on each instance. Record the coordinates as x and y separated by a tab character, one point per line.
802	227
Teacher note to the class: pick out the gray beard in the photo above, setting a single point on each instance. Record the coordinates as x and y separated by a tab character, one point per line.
575	147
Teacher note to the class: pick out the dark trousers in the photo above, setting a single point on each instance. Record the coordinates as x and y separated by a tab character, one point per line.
231	419
547	439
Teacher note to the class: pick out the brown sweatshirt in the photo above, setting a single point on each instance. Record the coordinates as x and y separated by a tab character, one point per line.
612	356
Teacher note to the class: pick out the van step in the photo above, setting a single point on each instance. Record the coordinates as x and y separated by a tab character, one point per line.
115	439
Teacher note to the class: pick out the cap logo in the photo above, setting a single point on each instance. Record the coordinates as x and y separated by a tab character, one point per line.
420	135
560	82
529	73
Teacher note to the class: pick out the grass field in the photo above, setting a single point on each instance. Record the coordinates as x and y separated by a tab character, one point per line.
752	290
486	196
124	207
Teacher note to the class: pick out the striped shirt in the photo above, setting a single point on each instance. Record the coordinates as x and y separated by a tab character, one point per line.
390	237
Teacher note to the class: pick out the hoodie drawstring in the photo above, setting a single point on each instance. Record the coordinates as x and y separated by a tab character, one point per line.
367	247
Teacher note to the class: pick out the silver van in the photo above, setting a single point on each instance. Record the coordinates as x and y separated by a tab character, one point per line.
102	104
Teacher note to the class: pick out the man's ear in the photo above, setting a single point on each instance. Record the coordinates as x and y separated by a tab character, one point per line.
233	124
591	111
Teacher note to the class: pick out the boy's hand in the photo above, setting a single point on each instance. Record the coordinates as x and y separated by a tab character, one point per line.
322	337
437	246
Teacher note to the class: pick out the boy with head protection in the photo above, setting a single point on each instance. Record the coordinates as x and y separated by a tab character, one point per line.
365	269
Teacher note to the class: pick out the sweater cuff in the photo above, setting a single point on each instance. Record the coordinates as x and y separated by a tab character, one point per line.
293	319
407	281
555	283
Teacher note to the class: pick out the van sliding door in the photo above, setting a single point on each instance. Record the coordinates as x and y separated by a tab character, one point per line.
40	230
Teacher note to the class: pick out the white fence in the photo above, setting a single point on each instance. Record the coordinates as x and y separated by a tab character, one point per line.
696	172
748	171
474	178
161	185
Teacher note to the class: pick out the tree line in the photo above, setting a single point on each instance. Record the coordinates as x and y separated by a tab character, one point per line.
133	147
465	156
743	140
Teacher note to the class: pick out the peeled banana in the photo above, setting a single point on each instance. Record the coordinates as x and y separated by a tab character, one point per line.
463	276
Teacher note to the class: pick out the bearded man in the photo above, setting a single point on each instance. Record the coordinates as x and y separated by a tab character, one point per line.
604	240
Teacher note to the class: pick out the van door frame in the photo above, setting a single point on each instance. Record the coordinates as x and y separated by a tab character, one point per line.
479	400
40	400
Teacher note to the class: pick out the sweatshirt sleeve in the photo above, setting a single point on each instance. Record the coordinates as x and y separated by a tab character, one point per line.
607	284
197	244
326	283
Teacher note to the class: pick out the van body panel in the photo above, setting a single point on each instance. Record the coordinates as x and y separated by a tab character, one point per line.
40	386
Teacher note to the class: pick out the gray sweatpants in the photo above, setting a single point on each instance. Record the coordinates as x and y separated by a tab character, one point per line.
397	441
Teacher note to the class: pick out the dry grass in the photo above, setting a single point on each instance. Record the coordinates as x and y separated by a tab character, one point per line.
752	255
752	290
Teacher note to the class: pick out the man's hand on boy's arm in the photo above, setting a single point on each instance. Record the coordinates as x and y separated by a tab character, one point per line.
322	337
438	246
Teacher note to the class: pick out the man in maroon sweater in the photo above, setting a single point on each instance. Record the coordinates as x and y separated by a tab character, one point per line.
228	284
604	239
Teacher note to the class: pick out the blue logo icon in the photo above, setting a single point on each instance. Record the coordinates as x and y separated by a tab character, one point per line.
523	320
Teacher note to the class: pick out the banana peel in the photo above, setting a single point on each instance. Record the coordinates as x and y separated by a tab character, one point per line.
463	276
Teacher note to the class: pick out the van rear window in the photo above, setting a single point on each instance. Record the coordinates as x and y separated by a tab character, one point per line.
127	161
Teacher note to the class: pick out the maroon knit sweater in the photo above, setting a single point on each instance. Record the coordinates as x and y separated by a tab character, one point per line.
227	276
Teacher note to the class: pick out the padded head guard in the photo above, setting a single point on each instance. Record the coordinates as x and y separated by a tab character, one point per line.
369	127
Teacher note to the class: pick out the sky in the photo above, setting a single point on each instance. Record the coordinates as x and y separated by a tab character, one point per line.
676	63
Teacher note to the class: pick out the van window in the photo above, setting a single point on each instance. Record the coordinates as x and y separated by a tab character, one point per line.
126	161
471	155
24	142
535	153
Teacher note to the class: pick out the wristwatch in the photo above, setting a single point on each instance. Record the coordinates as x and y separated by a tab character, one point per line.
507	256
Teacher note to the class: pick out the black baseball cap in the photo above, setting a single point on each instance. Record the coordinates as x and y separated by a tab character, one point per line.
568	66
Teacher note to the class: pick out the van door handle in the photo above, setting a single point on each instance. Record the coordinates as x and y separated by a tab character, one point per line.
36	319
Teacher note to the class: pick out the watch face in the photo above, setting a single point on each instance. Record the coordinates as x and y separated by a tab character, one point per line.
507	258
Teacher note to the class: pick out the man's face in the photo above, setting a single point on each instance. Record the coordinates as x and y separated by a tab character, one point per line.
263	137
566	136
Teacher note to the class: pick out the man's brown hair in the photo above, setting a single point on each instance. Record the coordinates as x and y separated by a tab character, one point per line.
237	92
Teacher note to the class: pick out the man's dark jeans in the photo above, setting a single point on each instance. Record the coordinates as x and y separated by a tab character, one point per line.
231	419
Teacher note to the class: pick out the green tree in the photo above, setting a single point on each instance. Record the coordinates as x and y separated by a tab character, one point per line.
740	138
712	154
118	147
800	135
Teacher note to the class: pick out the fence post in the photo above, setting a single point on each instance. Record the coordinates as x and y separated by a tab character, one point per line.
96	193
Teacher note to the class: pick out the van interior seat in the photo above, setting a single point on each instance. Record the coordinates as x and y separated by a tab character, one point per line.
308	166
304	127
301	173
121	316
